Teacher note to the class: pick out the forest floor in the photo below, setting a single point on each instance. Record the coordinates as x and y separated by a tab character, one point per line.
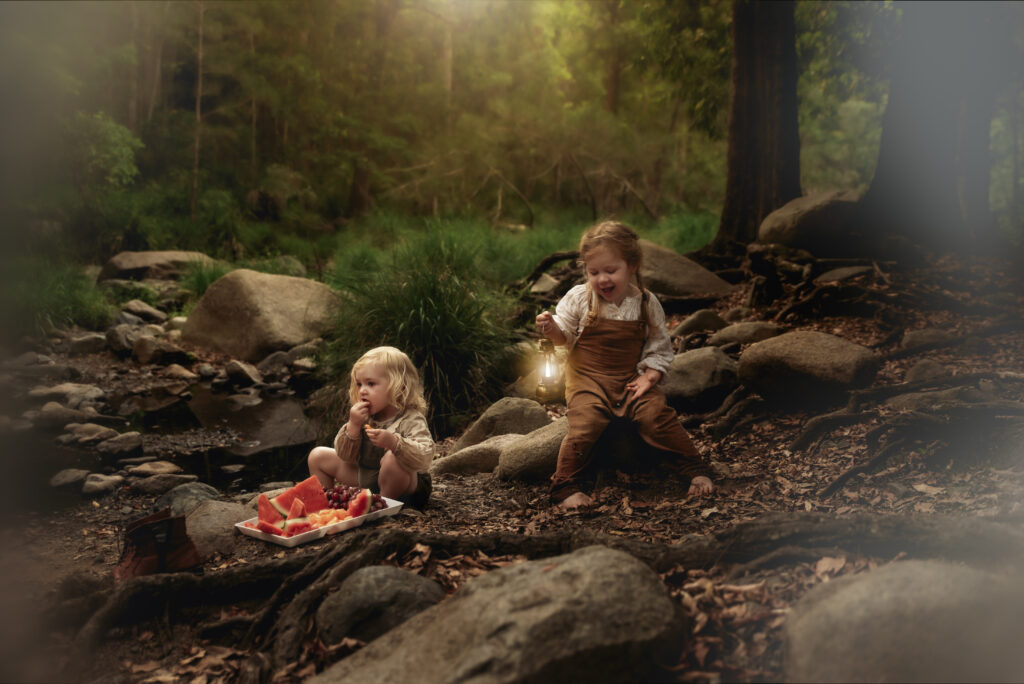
736	613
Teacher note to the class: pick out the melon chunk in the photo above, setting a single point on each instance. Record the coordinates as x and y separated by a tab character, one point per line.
297	510
266	511
269	529
312	494
294	526
360	503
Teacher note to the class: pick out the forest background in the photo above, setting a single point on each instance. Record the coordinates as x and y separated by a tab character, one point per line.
420	155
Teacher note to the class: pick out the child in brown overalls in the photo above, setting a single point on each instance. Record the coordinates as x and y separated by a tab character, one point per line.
619	351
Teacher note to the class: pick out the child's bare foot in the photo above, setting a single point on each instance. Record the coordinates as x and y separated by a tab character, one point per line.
700	486
576	500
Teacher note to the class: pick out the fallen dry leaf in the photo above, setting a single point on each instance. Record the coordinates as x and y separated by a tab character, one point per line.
829	565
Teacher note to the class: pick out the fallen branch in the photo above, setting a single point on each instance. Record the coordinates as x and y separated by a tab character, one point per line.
819	426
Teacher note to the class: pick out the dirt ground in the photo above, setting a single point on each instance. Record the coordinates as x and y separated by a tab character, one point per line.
737	618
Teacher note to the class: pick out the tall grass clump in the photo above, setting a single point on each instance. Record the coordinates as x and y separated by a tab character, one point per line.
199	275
431	301
39	294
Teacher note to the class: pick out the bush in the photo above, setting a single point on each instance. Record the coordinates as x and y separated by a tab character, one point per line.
431	302
42	294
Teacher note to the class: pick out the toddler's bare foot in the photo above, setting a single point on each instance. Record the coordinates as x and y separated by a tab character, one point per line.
576	500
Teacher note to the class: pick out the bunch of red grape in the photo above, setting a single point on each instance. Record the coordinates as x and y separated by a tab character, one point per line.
339	495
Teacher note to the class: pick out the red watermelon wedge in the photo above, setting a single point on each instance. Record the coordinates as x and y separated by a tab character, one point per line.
269	529
360	503
266	511
297	510
294	526
312	494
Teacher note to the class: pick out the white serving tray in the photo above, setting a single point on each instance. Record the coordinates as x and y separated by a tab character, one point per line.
393	506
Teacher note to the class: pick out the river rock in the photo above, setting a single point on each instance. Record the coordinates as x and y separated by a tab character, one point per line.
139	308
266	307
178	372
87	433
910	621
153	264
184	498
805	367
90	343
667	272
148	349
593	615
71	394
476	458
125	445
509	415
533	456
242	374
121	338
155	468
97	484
211	526
158	484
927	338
745	333
69	478
372	601
700	379
925	369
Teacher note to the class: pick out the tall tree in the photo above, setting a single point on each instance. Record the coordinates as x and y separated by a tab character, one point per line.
764	144
931	179
201	9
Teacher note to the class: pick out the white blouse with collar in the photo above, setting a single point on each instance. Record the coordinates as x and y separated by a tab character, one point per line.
571	314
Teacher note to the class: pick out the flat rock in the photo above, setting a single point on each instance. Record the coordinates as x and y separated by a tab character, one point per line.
667	272
700	321
151	264
154	468
184	498
69	478
700	379
158	484
97	484
746	332
137	307
90	343
124	445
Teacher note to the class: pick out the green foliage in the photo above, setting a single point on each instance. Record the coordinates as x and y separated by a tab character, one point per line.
101	152
431	302
684	232
39	294
199	275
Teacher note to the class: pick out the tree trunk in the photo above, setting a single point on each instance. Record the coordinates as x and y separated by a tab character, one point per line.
155	72
199	115
252	115
764	145
931	179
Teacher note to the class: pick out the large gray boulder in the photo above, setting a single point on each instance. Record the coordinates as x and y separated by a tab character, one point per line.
372	601
668	272
155	264
911	621
211	526
819	223
478	458
806	366
533	456
594	615
247	315
509	415
700	379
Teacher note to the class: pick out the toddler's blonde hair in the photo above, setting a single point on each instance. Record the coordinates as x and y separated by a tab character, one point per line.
623	239
405	391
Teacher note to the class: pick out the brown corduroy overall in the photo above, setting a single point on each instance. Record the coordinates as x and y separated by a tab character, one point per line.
599	366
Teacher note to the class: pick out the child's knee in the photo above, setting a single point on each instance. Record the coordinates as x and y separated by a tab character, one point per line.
318	456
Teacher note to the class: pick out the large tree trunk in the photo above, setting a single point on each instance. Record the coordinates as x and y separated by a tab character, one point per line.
931	180
764	143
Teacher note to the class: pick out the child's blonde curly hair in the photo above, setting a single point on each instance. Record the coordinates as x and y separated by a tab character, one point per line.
405	391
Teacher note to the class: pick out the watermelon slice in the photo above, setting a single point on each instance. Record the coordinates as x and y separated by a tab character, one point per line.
360	503
312	494
297	510
267	512
294	526
283	501
309	491
269	529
